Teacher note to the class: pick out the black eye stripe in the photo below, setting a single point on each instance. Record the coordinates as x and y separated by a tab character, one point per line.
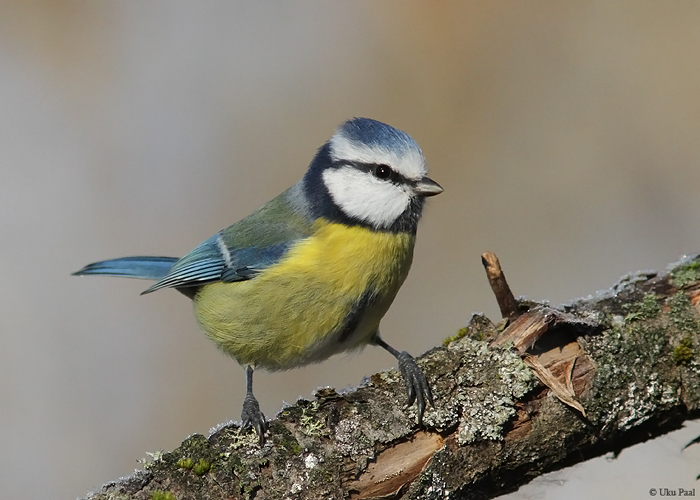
381	171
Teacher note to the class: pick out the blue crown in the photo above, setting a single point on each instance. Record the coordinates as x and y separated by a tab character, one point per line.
377	134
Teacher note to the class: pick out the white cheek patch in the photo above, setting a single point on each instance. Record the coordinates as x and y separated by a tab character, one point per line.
410	163
362	196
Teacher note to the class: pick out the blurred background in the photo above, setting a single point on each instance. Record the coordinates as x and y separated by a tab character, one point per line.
566	136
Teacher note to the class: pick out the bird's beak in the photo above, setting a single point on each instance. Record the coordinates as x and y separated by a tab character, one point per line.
428	187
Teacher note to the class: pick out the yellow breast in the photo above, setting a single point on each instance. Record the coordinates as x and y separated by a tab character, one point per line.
292	313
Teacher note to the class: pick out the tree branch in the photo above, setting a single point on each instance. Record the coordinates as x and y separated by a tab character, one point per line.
557	386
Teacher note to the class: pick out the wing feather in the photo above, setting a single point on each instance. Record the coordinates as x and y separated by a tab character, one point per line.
245	249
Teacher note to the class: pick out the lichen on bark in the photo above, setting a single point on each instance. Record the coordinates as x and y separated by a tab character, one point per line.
626	356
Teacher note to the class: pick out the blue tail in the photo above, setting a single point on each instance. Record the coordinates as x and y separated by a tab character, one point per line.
149	268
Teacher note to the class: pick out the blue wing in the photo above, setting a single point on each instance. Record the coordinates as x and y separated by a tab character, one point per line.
214	261
237	253
243	250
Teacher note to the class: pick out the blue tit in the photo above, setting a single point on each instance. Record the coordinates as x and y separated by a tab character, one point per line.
312	272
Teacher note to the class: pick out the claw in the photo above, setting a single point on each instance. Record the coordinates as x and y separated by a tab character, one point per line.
416	384
417	388
251	414
253	417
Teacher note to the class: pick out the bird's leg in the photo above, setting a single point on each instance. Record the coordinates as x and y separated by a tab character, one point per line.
251	414
416	383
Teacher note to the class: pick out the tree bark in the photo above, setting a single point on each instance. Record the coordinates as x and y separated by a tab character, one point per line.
545	389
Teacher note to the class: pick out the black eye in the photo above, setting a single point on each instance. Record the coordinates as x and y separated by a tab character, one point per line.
382	171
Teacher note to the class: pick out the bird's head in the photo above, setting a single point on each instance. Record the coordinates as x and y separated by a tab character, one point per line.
371	174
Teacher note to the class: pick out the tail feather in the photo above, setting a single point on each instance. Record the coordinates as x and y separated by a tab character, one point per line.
149	268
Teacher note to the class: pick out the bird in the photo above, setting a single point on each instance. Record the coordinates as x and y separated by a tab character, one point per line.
312	272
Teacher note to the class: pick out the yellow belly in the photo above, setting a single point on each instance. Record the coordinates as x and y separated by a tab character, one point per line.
292	313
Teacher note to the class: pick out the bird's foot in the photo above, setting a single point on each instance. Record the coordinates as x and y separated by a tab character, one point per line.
253	417
416	384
